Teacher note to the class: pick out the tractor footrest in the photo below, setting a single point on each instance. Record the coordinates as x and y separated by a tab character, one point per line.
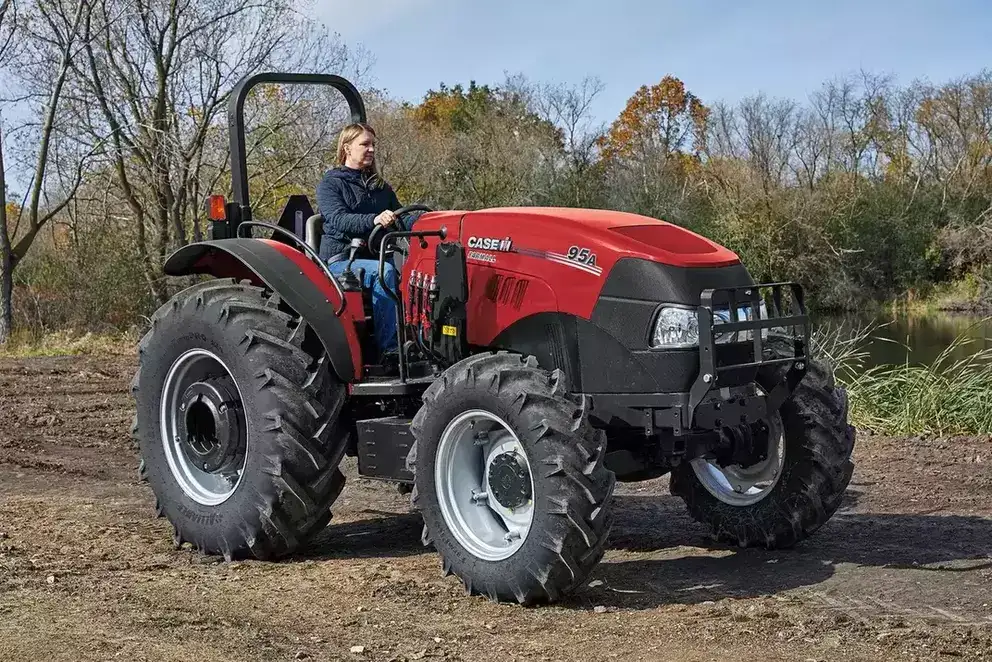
383	444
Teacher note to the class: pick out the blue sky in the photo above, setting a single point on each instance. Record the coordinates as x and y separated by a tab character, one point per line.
720	49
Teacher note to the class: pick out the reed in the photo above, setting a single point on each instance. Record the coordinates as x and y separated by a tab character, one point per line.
947	397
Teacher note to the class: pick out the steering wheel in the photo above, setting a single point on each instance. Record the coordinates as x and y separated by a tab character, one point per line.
380	231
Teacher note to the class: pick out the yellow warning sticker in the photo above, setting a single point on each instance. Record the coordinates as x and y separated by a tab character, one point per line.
449	330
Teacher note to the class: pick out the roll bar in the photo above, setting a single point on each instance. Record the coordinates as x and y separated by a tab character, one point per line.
236	123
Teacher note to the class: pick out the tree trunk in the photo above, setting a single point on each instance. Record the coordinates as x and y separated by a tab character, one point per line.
6	261
6	290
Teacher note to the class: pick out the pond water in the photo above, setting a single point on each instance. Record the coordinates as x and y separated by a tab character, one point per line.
918	339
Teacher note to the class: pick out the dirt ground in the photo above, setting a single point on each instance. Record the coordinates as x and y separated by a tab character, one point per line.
87	572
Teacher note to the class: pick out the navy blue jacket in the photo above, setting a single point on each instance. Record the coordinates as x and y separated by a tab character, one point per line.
349	207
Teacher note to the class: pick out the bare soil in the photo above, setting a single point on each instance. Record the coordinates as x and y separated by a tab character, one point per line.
87	572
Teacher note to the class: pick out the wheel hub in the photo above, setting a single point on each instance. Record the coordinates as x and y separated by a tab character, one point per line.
484	485
210	431
509	480
750	469
748	445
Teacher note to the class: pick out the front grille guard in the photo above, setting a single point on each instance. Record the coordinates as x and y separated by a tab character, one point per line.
777	318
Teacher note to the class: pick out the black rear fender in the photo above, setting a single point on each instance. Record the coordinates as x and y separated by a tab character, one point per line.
294	280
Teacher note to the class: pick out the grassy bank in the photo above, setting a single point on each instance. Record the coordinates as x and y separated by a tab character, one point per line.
67	343
947	397
969	294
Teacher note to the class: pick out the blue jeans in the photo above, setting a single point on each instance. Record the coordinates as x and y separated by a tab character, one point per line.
383	307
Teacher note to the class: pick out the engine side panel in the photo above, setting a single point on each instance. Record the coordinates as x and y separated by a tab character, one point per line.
593	360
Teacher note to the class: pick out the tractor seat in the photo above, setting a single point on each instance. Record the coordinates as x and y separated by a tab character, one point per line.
314	230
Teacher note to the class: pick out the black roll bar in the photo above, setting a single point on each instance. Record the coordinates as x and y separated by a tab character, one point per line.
236	122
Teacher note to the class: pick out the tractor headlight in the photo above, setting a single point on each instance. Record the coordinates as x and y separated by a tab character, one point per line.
675	327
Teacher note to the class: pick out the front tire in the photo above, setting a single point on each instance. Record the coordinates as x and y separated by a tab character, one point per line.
509	479
804	488
237	422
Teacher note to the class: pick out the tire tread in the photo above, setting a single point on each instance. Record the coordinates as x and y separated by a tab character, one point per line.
302	436
571	454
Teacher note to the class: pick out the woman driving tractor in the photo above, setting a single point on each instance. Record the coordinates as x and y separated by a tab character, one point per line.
353	199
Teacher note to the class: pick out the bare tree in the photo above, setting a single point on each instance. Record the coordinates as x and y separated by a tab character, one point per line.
769	135
7	18
51	31
154	83
569	107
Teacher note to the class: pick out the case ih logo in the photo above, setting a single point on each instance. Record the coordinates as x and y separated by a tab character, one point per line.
491	243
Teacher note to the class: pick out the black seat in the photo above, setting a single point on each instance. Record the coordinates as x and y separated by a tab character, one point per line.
314	231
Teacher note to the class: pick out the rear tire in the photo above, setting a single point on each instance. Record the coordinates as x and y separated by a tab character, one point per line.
284	402
815	473
571	491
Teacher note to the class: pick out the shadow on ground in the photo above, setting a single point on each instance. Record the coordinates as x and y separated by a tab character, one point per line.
382	535
689	568
924	542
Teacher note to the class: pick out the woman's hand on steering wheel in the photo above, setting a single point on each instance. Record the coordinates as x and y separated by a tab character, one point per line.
383	226
386	218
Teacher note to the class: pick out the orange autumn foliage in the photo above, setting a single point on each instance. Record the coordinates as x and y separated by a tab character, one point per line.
662	117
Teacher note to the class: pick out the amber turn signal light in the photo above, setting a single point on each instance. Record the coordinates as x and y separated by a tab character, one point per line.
217	208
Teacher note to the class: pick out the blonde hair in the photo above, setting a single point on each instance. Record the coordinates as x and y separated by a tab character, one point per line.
348	134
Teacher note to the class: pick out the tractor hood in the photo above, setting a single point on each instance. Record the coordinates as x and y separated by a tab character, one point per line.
612	235
527	261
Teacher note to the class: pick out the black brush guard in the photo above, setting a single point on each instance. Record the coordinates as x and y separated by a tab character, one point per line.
797	318
710	403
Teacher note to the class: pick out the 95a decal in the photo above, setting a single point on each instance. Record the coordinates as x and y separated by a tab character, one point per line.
581	255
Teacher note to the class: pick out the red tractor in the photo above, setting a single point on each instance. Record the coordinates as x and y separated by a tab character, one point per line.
544	354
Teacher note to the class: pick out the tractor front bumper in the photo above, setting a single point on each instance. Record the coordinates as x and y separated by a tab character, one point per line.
725	393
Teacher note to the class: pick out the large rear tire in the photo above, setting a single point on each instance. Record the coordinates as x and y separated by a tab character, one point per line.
804	486
509	479
237	422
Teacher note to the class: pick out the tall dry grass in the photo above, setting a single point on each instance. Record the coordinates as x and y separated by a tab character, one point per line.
946	397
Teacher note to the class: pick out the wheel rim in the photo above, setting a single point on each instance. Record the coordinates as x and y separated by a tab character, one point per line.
203	427
485	487
745	486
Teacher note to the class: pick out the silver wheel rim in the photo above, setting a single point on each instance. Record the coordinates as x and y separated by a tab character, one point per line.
468	447
745	486
204	487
